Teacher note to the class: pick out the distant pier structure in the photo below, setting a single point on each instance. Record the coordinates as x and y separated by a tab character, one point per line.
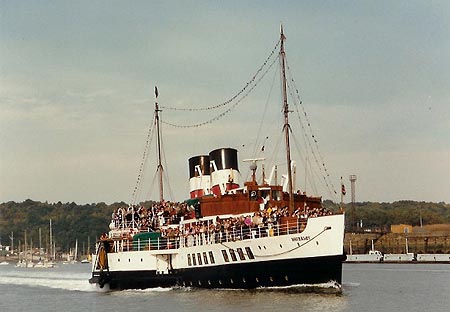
353	226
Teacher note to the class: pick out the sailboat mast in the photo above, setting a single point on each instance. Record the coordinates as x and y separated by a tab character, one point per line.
286	126
158	135
51	240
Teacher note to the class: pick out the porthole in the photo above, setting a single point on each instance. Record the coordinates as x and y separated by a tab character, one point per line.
259	247
129	260
118	260
317	242
281	246
142	260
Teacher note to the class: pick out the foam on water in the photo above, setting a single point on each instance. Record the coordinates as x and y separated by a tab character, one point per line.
47	278
150	290
351	284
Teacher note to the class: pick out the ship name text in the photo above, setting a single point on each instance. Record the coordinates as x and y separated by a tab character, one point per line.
300	238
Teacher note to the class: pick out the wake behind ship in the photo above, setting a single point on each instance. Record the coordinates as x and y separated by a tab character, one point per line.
228	234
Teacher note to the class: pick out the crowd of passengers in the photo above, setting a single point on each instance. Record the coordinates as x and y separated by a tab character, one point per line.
161	215
158	215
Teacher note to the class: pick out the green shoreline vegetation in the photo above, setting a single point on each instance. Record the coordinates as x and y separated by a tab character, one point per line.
71	221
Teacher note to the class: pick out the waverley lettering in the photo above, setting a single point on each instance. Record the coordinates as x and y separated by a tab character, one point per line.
300	238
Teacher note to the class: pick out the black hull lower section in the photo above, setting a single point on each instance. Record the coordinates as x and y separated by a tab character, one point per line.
278	273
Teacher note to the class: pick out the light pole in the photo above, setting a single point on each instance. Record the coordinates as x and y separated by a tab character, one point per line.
352	183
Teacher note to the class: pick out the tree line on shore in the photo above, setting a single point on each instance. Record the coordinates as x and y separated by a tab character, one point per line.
375	215
85	222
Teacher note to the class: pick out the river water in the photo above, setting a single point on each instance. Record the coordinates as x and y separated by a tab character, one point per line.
366	287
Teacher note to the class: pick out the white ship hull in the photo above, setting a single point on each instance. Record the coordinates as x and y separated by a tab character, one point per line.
312	256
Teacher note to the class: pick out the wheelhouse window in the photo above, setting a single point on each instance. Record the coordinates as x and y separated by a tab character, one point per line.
205	258
189	260
276	195
194	261
199	256
264	193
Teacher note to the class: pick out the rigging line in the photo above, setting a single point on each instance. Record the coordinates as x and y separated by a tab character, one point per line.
320	162
166	176
316	145
151	189
148	142
306	161
314	152
226	111
255	149
287	251
273	157
152	185
271	161
276	150
250	82
302	152
141	181
165	171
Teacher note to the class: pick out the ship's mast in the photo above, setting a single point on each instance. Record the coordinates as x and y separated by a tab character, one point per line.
286	126
158	136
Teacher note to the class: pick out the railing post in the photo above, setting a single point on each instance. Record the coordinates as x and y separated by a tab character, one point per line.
139	245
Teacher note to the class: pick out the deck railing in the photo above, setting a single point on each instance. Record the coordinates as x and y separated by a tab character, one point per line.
216	237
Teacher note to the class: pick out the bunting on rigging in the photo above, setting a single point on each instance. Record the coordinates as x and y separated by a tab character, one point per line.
249	83
148	142
229	101
315	151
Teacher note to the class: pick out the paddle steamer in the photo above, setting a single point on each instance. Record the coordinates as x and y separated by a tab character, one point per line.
251	234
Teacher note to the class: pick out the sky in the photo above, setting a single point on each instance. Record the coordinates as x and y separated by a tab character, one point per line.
77	96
